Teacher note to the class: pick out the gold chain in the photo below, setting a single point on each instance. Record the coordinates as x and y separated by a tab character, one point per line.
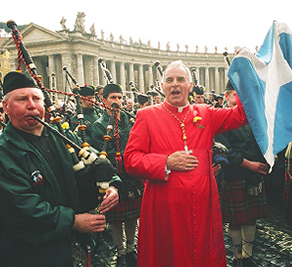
182	125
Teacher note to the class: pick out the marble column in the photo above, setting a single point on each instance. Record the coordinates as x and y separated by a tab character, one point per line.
131	72
122	75
207	82
141	78
95	71
113	70
51	69
197	75
217	83
150	76
80	69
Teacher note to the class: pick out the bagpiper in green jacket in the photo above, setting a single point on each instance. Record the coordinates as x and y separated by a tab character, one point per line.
35	224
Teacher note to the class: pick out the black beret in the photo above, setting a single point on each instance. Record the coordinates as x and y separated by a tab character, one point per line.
87	90
198	89
16	80
229	86
155	93
142	98
112	88
219	96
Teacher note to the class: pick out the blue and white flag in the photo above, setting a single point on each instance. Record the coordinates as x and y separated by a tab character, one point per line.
263	83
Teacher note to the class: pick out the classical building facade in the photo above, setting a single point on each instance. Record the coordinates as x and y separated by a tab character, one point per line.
126	61
4	62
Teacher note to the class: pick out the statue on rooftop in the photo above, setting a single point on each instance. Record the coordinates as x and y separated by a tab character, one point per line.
79	22
62	22
92	30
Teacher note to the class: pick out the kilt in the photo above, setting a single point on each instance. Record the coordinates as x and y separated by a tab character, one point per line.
125	210
238	207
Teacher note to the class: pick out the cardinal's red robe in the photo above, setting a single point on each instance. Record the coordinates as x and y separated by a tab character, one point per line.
180	220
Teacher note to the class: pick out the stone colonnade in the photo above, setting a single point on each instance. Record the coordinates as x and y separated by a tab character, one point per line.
87	70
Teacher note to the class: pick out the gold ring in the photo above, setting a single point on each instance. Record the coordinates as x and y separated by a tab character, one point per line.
189	165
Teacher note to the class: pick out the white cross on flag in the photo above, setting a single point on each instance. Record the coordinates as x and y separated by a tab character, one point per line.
263	83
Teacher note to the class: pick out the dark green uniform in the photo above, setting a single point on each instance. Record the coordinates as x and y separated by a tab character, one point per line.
37	201
35	225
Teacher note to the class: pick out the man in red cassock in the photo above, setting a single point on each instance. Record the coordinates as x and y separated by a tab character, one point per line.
170	145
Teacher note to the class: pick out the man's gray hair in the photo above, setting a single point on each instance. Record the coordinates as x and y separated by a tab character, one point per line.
178	63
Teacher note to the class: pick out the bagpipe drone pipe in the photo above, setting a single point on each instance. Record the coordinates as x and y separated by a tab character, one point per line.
158	89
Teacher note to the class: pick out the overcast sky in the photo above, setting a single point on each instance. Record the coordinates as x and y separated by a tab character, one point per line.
225	23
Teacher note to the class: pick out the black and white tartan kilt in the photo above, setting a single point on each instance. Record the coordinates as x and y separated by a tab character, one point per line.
125	210
238	207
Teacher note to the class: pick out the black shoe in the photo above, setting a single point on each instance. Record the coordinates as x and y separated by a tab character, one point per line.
237	263
131	259
248	262
121	261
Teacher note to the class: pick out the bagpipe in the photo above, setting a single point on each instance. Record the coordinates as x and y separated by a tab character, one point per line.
158	88
107	74
92	172
79	110
112	123
225	54
134	91
195	80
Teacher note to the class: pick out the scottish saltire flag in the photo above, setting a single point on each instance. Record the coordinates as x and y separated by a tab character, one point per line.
263	83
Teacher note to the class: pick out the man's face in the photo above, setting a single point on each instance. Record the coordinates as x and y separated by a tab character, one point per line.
130	105
231	98
176	86
112	97
21	105
157	99
220	101
199	99
86	103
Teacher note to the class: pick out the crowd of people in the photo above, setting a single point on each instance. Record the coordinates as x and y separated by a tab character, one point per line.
160	168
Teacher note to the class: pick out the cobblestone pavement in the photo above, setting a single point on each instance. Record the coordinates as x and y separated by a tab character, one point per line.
272	247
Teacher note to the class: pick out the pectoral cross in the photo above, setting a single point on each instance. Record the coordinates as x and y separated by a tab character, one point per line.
188	151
